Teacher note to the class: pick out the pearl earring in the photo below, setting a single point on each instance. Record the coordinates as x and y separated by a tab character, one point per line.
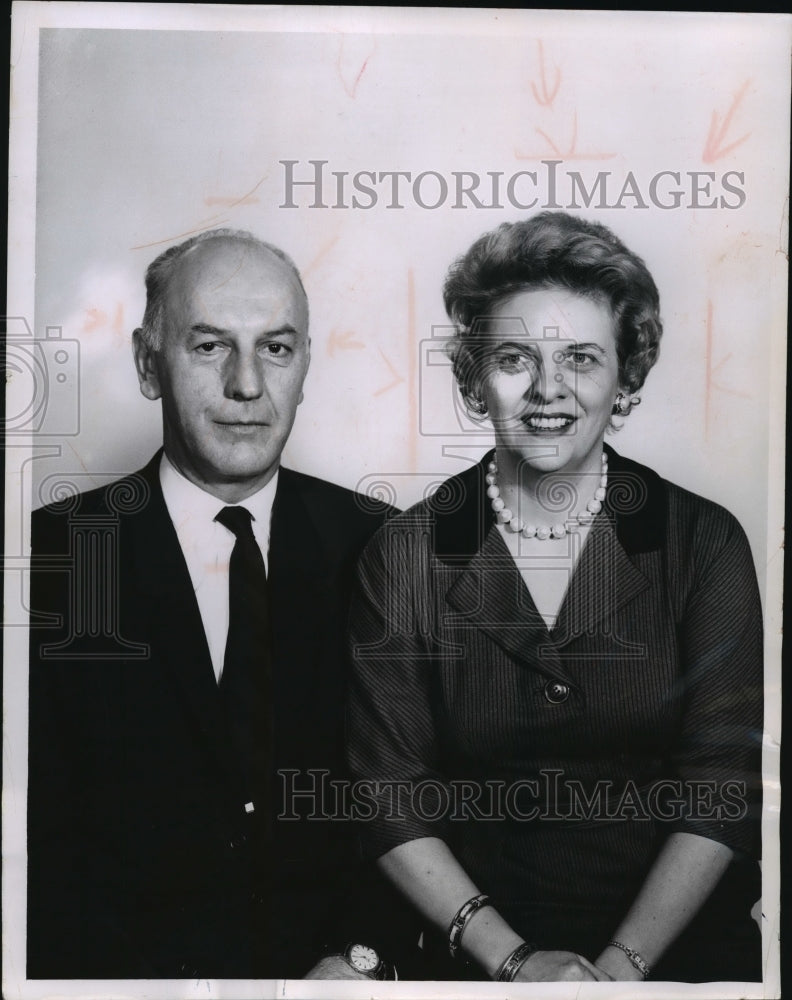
625	403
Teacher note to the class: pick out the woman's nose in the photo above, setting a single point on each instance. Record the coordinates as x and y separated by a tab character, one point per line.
549	380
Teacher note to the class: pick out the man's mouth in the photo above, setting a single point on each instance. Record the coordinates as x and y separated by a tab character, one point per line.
243	427
557	422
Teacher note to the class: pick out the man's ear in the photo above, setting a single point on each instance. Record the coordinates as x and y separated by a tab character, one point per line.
146	366
305	373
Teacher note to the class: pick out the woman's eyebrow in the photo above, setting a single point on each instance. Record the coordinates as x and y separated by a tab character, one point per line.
588	345
517	345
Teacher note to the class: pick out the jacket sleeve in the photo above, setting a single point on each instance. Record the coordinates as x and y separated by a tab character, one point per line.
393	745
74	926
719	751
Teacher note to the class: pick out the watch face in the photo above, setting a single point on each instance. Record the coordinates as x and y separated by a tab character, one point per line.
363	957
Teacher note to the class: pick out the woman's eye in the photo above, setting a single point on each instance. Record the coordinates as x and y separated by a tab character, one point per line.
513	361
580	358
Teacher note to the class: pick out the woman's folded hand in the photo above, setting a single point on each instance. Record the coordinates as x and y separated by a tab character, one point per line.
559	966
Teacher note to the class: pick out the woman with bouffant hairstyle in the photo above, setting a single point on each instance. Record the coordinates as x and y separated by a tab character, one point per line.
558	656
566	252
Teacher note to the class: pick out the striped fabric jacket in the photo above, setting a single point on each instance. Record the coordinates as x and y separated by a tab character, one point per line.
556	762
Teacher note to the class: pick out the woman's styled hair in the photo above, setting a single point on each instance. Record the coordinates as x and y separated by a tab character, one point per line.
553	249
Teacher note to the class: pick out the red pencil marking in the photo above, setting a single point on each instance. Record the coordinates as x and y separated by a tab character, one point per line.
711	384
548	94
343	342
118	319
246	199
94	319
217	199
325	249
572	143
570	154
397	378
212	223
351	88
713	148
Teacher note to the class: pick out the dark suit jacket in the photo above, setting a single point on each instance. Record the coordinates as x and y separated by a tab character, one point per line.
542	755
142	861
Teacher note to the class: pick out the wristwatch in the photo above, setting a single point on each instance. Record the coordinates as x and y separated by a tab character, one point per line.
365	960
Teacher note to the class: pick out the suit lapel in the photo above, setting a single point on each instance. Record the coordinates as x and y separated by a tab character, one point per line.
604	580
489	591
299	587
174	621
606	577
491	595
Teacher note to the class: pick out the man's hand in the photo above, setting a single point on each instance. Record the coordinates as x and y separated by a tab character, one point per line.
334	967
558	967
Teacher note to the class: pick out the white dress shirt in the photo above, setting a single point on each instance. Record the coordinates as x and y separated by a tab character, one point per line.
207	546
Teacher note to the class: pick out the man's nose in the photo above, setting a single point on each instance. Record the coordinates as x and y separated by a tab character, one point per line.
244	376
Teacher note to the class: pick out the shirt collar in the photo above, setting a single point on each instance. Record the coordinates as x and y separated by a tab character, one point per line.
189	504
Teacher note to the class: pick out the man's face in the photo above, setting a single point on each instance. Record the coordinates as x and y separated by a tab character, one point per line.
230	371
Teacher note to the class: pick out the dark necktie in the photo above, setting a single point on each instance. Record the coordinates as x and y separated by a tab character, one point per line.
245	685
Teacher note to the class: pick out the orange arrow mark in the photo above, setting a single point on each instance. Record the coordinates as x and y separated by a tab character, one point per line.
351	81
711	384
321	254
397	379
548	94
570	154
118	319
94	319
343	342
713	148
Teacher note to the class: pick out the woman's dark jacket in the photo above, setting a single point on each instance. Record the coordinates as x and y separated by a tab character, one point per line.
556	763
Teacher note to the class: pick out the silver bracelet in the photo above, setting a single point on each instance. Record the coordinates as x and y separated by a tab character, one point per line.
635	959
460	921
511	966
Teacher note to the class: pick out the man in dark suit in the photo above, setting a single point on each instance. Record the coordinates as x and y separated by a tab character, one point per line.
171	723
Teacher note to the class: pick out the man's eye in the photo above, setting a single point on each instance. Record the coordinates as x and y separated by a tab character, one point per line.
277	350
208	348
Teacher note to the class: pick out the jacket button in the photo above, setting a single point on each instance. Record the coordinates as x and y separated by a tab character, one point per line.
556	692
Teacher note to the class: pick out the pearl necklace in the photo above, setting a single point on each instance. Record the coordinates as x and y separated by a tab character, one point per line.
505	517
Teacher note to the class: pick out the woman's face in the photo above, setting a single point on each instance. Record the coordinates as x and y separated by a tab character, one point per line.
550	378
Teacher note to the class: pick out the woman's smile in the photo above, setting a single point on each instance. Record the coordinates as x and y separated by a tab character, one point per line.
539	423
